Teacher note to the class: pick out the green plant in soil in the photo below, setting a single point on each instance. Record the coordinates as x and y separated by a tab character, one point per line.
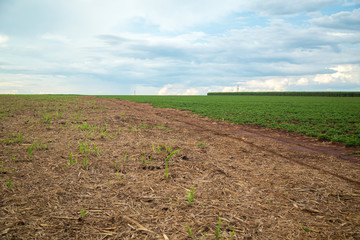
189	231
305	228
2	167
30	151
82	213
218	233
85	162
125	157
47	119
9	184
166	162
166	170
162	128
84	126
20	138
190	198
39	145
59	114
97	150
103	133
71	160
83	147
171	154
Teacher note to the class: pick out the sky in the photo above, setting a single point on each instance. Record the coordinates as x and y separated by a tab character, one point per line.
178	47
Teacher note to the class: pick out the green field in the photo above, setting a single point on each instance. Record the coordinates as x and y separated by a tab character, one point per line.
334	119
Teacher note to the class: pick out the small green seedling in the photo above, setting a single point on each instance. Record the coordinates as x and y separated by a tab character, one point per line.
305	228
71	160
190	198
59	114
189	231
85	126
97	150
83	147
171	154
168	149
166	162
166	170
142	159
20	138
143	126
232	234
9	184
218	230
103	133
47	118
125	157
161	128
82	213
85	163
30	150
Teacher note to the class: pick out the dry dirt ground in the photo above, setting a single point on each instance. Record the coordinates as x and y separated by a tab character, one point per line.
262	184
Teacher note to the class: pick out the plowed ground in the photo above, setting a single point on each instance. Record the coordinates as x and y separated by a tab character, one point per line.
262	184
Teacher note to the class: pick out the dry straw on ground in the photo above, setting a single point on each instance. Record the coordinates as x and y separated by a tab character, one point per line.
262	184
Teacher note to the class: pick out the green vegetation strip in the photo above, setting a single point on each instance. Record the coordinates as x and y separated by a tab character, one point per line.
314	94
334	119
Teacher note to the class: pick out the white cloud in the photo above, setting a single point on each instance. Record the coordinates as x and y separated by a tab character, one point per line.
179	89
341	20
276	7
302	82
168	47
191	91
91	17
351	2
3	39
268	85
343	74
9	84
164	90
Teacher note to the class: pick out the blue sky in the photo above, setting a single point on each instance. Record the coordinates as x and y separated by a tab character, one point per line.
178	46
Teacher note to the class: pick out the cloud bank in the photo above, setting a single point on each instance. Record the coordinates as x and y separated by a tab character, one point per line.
157	47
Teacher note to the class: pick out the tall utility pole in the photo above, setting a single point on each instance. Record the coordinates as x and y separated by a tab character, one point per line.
237	88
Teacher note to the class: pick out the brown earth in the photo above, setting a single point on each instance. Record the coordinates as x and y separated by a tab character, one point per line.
263	184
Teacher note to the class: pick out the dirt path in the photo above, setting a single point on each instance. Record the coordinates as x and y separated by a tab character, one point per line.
263	184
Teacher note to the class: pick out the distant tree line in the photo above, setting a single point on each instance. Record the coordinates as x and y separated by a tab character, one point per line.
314	94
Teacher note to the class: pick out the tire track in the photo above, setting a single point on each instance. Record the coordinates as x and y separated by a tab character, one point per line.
227	135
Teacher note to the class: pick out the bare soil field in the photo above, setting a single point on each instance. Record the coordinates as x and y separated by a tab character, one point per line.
92	168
